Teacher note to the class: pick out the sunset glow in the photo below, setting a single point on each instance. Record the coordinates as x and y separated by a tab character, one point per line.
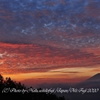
50	41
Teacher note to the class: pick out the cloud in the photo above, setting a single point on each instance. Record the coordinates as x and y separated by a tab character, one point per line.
93	9
40	36
54	23
96	70
67	72
25	58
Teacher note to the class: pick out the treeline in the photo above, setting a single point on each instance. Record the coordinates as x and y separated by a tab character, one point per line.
12	90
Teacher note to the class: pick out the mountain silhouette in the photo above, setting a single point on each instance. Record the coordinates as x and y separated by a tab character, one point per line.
93	81
96	77
89	84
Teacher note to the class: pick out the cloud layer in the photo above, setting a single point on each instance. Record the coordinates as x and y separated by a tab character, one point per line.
25	58
42	35
61	23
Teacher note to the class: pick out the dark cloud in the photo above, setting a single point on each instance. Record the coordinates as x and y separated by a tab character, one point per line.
93	9
66	72
45	21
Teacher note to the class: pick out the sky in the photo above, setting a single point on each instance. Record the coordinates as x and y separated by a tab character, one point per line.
50	40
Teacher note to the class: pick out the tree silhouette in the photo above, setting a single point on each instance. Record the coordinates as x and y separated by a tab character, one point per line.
6	93
1	82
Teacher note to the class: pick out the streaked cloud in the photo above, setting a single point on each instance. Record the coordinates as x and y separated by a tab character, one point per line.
25	58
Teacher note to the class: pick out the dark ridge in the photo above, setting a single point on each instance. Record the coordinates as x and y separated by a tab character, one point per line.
95	77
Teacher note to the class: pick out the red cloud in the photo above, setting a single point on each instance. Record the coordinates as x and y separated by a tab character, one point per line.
22	58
